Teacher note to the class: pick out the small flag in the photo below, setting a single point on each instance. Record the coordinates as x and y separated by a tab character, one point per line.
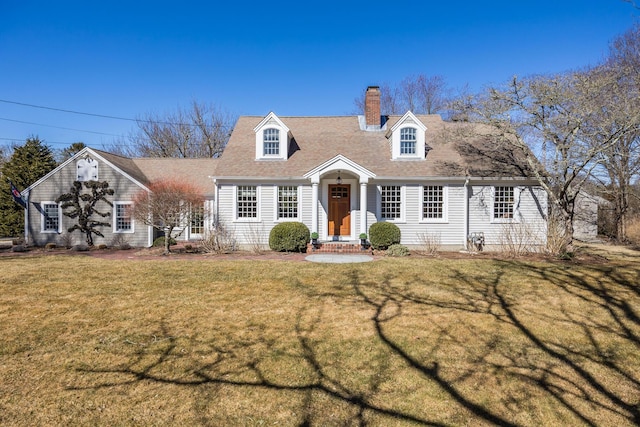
17	197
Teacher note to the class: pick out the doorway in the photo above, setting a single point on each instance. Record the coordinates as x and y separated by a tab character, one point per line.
339	210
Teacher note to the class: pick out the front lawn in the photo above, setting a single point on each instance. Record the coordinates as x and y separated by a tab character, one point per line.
410	341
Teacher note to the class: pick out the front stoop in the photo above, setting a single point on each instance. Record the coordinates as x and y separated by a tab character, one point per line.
337	247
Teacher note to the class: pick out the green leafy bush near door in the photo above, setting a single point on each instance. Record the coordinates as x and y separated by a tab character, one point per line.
289	237
383	234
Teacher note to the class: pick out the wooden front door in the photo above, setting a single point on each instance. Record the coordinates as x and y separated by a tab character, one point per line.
339	210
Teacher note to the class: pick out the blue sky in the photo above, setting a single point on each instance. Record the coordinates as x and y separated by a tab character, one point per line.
127	59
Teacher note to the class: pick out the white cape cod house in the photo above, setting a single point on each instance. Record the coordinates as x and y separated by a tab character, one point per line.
338	175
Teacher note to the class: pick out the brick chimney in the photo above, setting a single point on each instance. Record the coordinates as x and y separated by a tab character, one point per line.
372	106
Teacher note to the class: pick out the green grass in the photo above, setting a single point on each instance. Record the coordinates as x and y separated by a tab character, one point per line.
403	341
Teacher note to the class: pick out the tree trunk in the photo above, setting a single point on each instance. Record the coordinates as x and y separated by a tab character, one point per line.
89	238
167	240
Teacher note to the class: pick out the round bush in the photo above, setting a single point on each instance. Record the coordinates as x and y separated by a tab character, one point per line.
159	242
289	237
383	234
398	250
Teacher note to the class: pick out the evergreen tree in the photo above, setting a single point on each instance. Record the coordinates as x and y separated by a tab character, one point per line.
27	164
84	212
70	151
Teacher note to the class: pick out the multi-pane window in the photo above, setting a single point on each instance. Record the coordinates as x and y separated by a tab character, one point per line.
407	141
247	201
287	202
197	220
390	202
50	217
503	202
433	202
271	142
123	220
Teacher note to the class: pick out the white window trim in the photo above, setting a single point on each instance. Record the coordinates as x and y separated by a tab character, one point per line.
415	142
115	219
409	120
190	234
516	205
42	218
271	121
258	204
276	201
272	156
403	199
445	206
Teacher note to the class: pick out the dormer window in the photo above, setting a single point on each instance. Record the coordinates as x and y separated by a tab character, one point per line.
272	139
407	141
271	142
408	138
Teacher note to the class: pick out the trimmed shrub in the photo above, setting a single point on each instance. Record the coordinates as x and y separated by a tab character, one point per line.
289	237
383	234
398	250
160	242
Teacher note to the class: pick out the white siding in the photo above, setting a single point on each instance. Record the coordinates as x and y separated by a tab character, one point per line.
256	231
413	228
531	213
529	223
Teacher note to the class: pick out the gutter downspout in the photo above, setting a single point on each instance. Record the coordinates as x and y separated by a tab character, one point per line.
466	214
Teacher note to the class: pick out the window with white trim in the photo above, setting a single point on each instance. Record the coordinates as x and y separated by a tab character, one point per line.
503	202
197	220
432	202
271	142
122	219
50	217
408	141
288	202
246	201
390	202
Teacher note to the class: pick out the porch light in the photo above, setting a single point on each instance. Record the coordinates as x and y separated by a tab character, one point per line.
339	179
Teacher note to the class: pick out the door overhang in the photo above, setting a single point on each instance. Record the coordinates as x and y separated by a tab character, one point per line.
339	163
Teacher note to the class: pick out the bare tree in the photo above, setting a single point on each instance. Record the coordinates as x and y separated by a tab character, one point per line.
556	116
620	165
198	132
167	205
419	94
428	94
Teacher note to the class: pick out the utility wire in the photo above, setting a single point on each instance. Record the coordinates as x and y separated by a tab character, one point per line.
67	111
59	127
24	104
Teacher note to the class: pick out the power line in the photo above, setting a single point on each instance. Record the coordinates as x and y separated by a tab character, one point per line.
47	142
67	111
59	127
24	104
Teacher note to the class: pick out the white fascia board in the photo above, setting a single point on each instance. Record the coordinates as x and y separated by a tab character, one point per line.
269	117
340	162
81	153
408	115
57	168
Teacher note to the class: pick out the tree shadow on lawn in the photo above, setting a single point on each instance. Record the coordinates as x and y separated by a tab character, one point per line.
561	356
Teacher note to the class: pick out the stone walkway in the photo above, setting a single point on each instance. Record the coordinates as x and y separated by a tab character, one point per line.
338	258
